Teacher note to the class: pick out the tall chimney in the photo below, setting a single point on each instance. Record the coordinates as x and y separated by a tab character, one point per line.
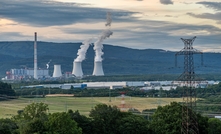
35	58
57	71
98	69
77	69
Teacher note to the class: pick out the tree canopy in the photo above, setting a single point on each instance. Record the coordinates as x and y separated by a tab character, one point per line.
168	119
6	89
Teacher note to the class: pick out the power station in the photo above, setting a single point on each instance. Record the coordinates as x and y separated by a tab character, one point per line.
77	69
57	71
77	63
98	69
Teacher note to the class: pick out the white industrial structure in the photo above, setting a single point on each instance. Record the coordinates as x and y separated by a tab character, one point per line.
16	74
111	85
98	69
77	69
57	71
35	58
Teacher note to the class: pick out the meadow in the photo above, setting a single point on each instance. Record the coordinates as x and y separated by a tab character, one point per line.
82	104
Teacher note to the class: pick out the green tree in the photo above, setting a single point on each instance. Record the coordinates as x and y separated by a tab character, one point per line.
168	119
61	123
133	124
34	110
110	120
83	122
105	118
6	89
214	126
32	118
36	125
7	126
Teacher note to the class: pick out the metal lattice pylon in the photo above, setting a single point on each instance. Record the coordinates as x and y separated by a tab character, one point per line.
189	119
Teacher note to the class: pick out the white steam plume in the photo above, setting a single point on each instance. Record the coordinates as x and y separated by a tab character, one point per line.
109	19
82	51
47	65
98	46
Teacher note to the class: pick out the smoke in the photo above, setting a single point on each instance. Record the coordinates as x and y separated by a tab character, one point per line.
82	51
47	65
98	45
109	20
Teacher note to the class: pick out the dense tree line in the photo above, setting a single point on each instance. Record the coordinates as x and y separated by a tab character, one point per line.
6	90
104	119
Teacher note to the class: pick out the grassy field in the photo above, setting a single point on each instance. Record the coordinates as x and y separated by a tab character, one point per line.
82	104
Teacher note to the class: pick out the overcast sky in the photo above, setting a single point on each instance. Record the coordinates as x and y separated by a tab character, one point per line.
139	24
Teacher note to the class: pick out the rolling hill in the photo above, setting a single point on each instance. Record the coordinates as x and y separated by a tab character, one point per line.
117	60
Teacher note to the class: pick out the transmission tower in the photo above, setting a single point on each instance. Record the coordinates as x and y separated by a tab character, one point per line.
189	119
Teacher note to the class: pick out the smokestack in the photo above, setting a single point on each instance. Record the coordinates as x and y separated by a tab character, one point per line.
77	69
35	58
57	71
98	69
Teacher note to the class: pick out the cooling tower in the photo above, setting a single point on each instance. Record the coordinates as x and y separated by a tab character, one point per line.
57	71
77	70
98	69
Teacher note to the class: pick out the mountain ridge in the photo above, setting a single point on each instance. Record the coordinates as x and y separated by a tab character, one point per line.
116	59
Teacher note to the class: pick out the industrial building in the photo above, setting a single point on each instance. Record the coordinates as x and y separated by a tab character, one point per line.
111	85
18	74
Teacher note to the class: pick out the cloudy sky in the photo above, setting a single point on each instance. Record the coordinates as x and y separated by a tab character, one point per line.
139	24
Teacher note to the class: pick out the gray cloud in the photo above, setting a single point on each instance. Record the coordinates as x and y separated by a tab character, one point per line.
168	16
166	2
154	34
215	16
49	13
166	35
216	6
146	34
212	5
16	36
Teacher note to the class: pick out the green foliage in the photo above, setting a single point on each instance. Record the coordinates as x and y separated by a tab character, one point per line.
83	122
214	126
61	123
6	89
168	119
32	118
104	118
36	125
7	126
134	124
34	110
110	120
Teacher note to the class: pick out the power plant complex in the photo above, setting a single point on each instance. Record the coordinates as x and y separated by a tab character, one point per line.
37	73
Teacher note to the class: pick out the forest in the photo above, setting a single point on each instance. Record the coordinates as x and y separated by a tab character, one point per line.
35	119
